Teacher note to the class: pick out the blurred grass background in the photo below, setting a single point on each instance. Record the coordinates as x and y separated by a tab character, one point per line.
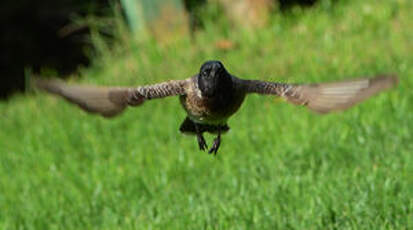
280	166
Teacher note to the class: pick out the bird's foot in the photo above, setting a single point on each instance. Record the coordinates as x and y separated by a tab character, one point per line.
201	142
215	145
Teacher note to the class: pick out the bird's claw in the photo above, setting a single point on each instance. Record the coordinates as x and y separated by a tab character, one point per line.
215	146
202	143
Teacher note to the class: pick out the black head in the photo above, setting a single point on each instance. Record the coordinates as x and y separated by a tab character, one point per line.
212	77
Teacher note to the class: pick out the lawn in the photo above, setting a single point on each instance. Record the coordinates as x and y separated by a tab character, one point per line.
279	167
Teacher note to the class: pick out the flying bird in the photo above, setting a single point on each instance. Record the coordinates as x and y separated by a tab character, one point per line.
213	95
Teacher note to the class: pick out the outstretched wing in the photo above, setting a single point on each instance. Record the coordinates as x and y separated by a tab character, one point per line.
326	97
110	101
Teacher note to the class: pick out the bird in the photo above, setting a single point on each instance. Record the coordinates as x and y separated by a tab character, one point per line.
213	95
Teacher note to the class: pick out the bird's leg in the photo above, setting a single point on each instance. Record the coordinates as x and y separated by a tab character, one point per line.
201	140
216	144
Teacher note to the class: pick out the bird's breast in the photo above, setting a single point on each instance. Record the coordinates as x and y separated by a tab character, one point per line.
212	110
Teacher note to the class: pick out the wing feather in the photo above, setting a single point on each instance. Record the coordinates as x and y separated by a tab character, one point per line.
110	101
327	97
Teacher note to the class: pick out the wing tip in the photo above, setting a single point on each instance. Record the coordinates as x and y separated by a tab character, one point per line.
48	85
376	84
390	80
113	105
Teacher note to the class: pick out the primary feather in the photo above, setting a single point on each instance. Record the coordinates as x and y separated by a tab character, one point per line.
107	101
327	97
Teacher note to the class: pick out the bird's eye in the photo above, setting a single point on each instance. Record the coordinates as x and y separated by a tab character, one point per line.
204	73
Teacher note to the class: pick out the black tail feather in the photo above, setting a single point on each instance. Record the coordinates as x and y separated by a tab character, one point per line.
188	127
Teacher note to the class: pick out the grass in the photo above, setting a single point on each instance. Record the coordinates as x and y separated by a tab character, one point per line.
280	167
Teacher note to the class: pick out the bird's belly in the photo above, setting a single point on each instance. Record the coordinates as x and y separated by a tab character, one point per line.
210	111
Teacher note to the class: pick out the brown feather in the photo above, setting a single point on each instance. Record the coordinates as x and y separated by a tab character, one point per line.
110	101
335	96
325	97
107	101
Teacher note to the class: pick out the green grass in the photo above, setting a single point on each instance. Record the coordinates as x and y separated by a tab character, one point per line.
280	166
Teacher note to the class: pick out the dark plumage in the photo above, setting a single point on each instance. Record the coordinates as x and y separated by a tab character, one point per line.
213	95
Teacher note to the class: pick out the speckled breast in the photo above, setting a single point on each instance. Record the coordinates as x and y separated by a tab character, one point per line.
214	110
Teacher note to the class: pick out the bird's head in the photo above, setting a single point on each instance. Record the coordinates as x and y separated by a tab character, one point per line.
212	77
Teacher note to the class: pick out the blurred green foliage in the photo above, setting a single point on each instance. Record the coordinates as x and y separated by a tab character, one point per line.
139	13
280	166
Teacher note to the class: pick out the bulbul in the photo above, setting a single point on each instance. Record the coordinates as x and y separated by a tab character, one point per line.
213	95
